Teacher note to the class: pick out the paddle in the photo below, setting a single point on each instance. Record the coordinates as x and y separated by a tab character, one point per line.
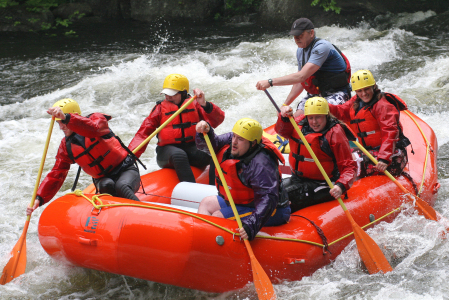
262	283
164	124
369	251
17	263
423	208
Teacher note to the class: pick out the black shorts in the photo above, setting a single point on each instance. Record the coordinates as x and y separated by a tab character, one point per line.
302	192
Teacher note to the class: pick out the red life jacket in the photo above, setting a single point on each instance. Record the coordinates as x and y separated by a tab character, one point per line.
365	125
241	194
96	156
302	163
182	128
322	81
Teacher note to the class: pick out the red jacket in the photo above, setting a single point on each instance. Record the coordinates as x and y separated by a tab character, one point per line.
338	143
387	116
214	116
93	127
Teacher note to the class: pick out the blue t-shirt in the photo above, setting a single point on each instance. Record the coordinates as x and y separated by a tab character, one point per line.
324	55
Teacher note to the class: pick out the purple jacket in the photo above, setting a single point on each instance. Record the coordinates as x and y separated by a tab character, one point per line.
261	174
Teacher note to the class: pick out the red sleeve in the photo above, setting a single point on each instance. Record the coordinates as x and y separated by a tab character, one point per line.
214	118
284	127
341	112
388	118
94	126
55	178
149	125
340	147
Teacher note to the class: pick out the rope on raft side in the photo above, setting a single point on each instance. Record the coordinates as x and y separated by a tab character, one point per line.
96	198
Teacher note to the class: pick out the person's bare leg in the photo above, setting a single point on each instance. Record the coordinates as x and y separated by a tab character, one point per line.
209	205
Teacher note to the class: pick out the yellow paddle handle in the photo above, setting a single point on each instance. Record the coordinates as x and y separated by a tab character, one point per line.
223	180
164	124
44	155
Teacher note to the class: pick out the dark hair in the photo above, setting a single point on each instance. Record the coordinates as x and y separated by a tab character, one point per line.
376	93
184	95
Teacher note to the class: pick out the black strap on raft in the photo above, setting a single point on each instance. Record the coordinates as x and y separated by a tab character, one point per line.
129	151
320	233
409	177
76	179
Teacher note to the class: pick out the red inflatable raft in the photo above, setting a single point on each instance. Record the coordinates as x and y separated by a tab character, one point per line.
166	241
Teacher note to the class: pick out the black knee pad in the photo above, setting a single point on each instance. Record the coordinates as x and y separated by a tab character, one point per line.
106	186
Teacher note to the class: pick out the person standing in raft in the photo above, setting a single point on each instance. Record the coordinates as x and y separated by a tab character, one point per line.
323	70
176	142
91	144
250	164
374	117
329	140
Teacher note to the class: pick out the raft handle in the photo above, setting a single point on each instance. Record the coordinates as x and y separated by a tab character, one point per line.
436	187
92	211
292	261
88	242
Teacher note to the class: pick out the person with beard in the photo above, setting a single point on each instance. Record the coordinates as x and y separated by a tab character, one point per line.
250	164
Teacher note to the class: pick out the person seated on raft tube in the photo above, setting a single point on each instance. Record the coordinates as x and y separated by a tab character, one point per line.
329	140
91	144
250	164
374	117
323	70
176	142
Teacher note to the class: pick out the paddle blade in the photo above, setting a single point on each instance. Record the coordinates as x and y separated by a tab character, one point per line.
17	263
425	209
370	253
262	283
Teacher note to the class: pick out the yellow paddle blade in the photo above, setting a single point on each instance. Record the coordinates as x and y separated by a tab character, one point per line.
17	263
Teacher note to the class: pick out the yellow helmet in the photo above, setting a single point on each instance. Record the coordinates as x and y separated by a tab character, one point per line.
175	83
362	79
316	106
248	129
68	106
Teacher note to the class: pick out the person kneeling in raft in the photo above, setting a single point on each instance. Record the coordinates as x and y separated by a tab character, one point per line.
328	139
374	117
176	142
91	144
250	164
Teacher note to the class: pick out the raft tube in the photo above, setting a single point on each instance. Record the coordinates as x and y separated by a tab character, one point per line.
166	241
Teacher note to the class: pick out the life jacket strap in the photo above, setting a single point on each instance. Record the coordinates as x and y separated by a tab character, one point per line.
183	112
184	139
184	125
356	121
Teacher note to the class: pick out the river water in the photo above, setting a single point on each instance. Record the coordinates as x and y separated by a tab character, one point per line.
119	69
